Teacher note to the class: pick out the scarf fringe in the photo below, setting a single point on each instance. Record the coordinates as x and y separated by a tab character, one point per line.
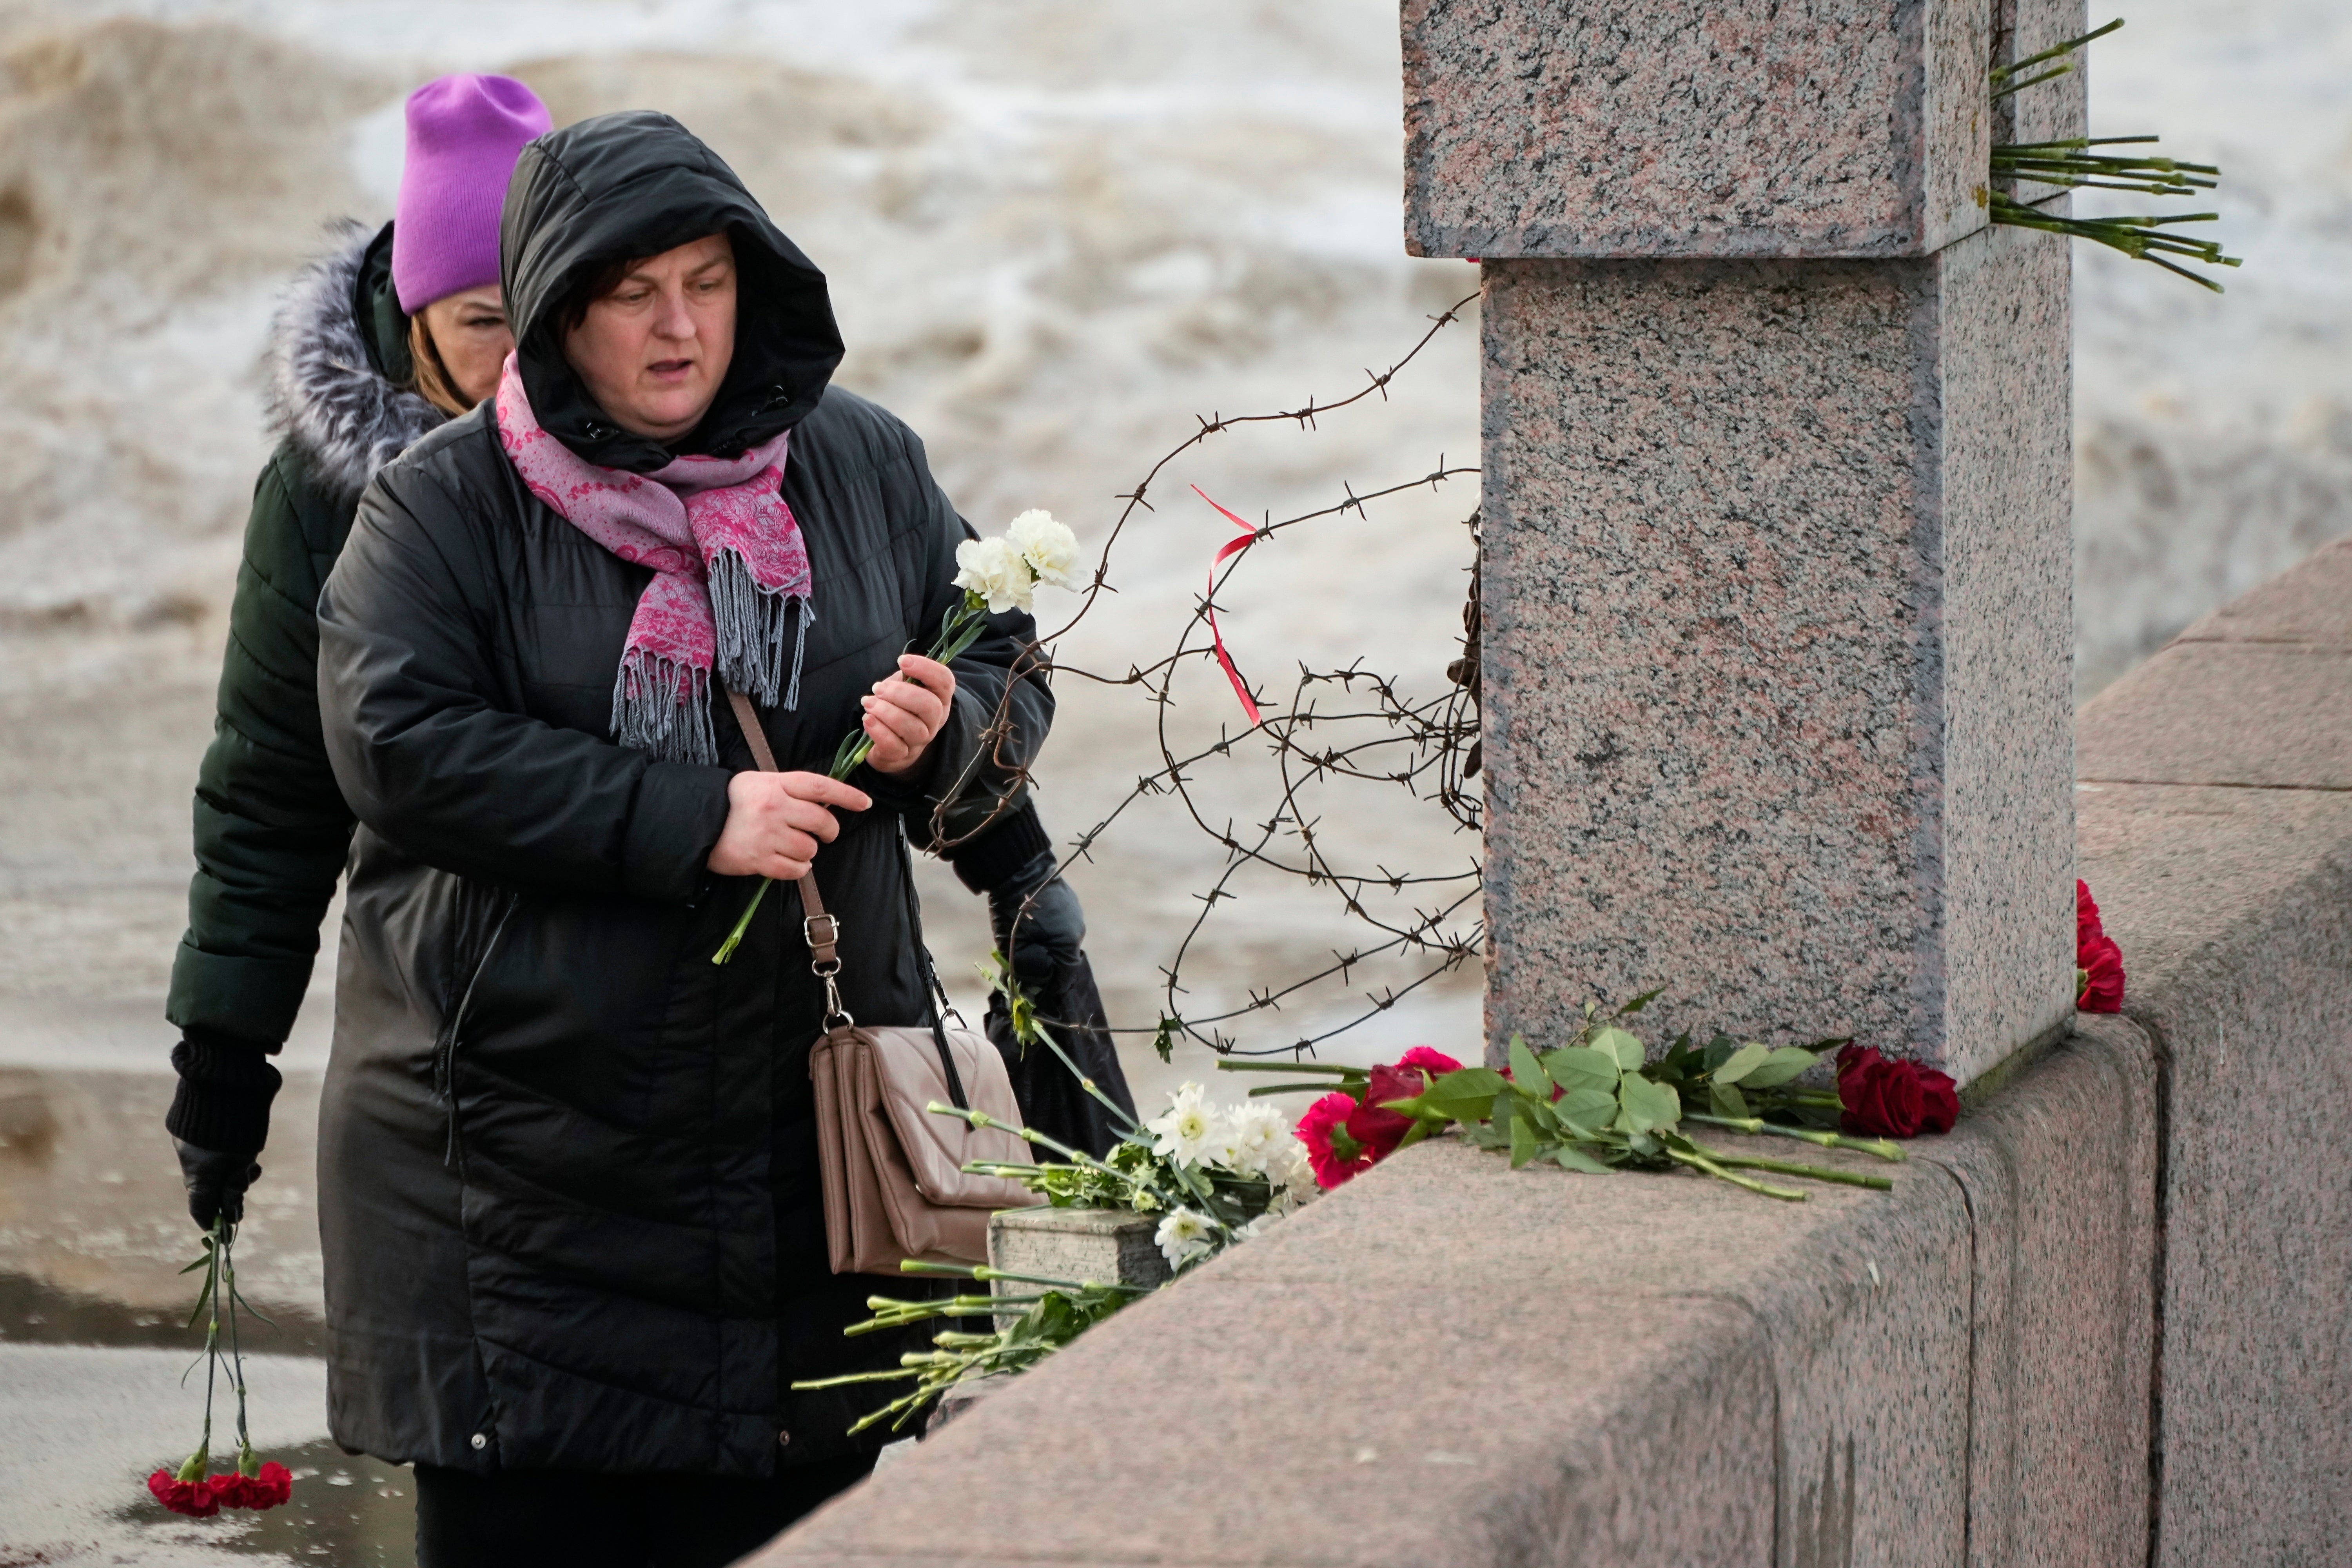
662	708
749	619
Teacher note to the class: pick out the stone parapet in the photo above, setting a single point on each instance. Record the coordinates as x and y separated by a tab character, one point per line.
1448	1362
1778	610
2105	1321
2216	813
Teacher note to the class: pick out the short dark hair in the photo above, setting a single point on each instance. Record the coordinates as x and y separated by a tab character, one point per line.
594	285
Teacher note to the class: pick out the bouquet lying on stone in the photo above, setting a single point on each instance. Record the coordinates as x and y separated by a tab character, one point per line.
996	574
1214	1176
1596	1105
192	1489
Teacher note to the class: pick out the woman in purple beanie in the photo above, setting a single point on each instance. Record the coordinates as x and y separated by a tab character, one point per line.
374	345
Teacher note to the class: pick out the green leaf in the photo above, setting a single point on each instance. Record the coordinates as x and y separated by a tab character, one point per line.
1719	1050
1624	1046
1582	1066
1586	1107
1644	1000
1779	1067
1523	1142
1650	1104
1726	1099
1743	1061
1574	1159
1527	1071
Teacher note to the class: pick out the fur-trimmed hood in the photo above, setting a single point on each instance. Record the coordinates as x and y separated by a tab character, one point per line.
327	395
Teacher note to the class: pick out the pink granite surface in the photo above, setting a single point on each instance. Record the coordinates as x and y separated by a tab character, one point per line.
1777	604
1562	128
2228	884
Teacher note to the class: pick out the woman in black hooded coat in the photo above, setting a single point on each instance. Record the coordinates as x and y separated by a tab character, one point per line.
568	1179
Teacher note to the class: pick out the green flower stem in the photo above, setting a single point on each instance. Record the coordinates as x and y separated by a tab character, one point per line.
1885	1149
959	629
1326	1087
1702	1161
1063	1056
1813	1173
1294	1067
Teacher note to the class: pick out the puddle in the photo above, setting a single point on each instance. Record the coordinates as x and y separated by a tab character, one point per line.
35	1312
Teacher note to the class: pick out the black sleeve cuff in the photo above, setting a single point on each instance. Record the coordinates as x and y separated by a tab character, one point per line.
985	861
226	1088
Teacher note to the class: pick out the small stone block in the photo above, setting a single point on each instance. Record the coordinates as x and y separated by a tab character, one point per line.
1670	128
1111	1246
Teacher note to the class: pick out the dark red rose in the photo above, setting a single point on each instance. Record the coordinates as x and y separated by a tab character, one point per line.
198	1500
2088	927
2099	961
1893	1099
1381	1130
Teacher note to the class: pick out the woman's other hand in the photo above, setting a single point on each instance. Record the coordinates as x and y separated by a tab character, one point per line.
901	716
775	822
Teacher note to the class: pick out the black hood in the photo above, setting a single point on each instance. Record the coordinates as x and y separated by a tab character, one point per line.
623	186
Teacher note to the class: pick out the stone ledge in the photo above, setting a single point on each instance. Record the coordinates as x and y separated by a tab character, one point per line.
1450	1362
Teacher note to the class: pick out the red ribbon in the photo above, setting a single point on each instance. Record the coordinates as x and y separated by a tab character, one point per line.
1232	547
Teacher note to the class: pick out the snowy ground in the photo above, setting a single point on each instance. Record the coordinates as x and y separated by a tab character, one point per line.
1056	229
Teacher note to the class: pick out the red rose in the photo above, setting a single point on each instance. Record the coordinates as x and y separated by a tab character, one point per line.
1381	1130
1893	1099
198	1500
2088	927
2099	961
1325	1124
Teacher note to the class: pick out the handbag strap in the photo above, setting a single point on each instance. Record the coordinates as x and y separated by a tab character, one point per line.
823	930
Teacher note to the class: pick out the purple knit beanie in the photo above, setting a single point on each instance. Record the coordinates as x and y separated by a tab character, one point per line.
464	135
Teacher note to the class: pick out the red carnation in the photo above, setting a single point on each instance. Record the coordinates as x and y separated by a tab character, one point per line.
1893	1099
1325	1124
270	1487
2099	961
198	1500
1434	1062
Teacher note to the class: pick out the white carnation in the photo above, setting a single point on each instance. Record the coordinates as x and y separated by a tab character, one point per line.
995	571
1187	1129
1257	1138
1183	1238
1049	547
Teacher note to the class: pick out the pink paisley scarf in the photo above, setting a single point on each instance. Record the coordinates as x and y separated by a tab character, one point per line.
728	564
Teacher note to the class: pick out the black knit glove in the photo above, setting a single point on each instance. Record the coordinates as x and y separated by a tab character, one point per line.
216	1183
1052	927
219	1119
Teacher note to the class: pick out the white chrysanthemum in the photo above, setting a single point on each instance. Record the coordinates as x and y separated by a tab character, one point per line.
1293	1175
1183	1238
995	571
1049	547
1188	1128
1258	1136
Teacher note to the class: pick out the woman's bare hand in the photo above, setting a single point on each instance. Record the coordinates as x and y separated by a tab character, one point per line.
902	716
775	822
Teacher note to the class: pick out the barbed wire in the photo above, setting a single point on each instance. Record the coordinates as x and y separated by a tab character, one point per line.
1426	746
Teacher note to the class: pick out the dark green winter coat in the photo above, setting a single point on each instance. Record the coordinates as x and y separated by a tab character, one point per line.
568	1204
271	829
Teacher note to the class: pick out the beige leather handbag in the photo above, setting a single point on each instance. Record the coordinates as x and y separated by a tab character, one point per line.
895	1185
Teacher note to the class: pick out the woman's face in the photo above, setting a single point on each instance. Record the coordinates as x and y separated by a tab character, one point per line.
470	332
655	349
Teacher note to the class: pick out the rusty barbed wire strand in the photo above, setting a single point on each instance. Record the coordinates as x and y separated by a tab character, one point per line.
1428	747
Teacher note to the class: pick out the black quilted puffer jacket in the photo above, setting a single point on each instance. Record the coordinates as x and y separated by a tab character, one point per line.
568	1183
